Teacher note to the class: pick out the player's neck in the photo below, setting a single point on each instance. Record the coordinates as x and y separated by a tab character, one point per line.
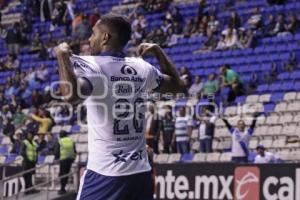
112	50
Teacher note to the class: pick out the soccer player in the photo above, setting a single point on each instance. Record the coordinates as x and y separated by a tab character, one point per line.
112	86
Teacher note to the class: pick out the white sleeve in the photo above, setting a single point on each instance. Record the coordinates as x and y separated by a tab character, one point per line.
154	79
85	69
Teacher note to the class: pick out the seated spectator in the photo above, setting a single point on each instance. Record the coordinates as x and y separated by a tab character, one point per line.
293	25
177	28
159	37
269	26
196	87
58	14
211	86
213	24
36	98
201	28
184	73
292	63
253	83
13	39
232	80
176	16
210	44
263	156
255	21
77	20
234	20
183	131
189	28
280	25
221	45
231	38
12	62
247	39
70	10
138	35
83	30
8	128
94	17
271	76
166	25
172	38
140	20
42	73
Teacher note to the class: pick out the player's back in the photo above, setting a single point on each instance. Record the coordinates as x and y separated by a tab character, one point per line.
115	112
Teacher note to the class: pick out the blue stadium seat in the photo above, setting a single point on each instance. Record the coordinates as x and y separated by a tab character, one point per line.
187	157
3	149
10	158
41	159
269	107
75	128
277	96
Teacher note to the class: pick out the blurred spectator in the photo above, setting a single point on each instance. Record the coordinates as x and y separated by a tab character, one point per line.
280	25
221	45
196	87
159	37
45	121
85	50
51	145
166	25
12	63
83	30
31	126
276	2
210	44
36	42
186	76
138	35
271	76
189	28
211	86
183	131
152	128
177	28
58	13
19	117
174	15
213	24
247	39
14	39
231	38
253	83
17	143
206	123
255	21
140	20
264	157
36	98
293	25
8	127
269	26
167	127
292	63
201	9
46	10
43	52
201	28
41	143
76	21
240	139
234	20
232	80
70	10
172	38
94	17
42	74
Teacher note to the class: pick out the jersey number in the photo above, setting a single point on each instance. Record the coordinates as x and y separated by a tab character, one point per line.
137	118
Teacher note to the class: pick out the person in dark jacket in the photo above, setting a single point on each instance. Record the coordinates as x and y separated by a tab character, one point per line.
167	127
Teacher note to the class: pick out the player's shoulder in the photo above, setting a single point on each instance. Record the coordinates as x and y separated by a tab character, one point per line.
84	62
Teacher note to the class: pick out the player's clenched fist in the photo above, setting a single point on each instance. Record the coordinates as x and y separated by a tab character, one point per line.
147	48
62	48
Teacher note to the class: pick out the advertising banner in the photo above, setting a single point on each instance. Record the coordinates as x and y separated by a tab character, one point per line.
213	181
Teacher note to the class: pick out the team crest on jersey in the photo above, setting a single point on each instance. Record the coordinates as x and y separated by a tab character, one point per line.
128	70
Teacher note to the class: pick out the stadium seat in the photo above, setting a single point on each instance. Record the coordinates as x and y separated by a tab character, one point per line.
272	119
3	149
264	98
267	143
187	157
49	159
162	158
253	143
274	130
279	143
252	99
213	157
293	106
18	161
225	157
199	157
195	146
290	96
174	158
6	141
81	147
2	159
290	129
56	129
82	138
286	118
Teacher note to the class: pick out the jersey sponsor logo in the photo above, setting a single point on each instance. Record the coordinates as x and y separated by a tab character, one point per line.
128	70
81	65
124	157
246	183
127	78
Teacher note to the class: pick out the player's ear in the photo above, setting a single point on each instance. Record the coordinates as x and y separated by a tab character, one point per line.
105	38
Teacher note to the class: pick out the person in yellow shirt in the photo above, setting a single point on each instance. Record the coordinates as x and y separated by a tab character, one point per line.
45	121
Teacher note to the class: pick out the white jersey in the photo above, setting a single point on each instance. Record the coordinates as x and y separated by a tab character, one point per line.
240	142
115	112
268	158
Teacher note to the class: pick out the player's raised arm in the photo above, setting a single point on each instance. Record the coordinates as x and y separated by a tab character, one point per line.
69	81
172	82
